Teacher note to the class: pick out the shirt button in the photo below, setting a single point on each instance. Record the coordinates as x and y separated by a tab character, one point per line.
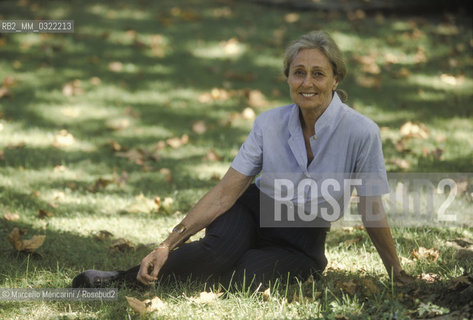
314	137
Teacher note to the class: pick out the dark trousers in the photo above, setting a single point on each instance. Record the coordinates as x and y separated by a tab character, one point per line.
235	248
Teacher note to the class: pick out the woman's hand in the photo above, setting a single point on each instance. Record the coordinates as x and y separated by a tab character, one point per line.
403	278
151	264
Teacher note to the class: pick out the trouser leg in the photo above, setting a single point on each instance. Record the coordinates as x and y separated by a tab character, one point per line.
226	240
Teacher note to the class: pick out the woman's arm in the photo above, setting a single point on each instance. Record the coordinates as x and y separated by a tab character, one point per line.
374	220
218	200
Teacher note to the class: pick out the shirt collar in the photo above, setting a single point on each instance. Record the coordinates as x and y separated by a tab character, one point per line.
326	120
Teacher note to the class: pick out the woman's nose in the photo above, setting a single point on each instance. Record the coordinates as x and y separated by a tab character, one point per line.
306	81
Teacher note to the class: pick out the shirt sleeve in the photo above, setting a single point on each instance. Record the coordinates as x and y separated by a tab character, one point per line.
249	160
370	166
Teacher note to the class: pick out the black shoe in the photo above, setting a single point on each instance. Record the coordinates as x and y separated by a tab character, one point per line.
94	279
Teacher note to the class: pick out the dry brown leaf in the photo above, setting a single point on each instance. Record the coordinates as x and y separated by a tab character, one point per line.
368	81
167	174
4	92
267	294
348	229
25	245
121	245
118	124
141	204
347	286
245	77
103	235
401	163
256	99
63	139
95	81
167	205
178	142
427	254
414	130
101	183
401	147
72	88
115	146
206	297
212	156
370	286
44	214
11	216
199	127
115	66
429	277
291	17
146	306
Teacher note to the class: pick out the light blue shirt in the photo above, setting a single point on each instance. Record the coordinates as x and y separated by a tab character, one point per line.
346	144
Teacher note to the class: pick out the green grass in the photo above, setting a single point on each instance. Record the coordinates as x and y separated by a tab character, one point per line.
171	54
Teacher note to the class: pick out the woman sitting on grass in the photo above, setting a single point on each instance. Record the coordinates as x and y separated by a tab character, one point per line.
245	239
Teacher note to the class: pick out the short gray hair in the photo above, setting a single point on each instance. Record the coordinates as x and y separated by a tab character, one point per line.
322	41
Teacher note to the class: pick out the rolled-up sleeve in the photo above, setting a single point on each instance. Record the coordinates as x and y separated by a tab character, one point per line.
370	166
249	159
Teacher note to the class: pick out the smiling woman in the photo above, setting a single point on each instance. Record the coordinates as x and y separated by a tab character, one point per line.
316	136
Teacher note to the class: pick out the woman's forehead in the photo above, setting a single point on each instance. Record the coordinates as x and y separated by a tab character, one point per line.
311	58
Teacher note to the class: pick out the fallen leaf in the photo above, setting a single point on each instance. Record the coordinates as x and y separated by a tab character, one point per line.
4	92
103	235
63	139
347	286
72	88
452	80
129	111
145	306
414	130
401	147
429	277
199	127
267	294
368	81
25	245
245	77
95	81
370	286
427	254
118	124
401	163
115	66
167	205
291	17
141	204
212	156
178	142
101	183
348	229
44	214
256	99
11	216
206	297
167	174
121	245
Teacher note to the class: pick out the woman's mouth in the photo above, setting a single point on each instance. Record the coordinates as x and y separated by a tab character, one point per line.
307	95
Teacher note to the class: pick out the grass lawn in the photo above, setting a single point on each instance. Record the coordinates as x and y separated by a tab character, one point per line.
153	99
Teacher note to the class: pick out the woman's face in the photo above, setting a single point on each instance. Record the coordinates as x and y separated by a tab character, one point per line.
311	80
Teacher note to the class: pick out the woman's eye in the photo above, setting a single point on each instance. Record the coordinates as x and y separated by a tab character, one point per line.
298	72
318	74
